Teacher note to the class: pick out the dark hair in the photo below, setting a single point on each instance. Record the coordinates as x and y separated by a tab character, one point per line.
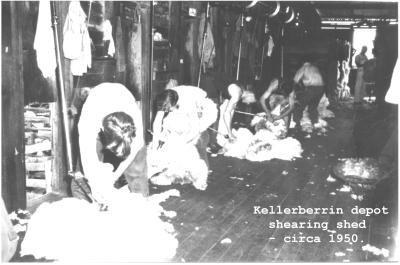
118	128
286	86
166	100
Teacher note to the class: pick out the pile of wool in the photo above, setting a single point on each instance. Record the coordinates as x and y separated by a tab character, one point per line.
266	146
73	230
262	146
239	147
179	163
323	111
366	168
376	251
277	128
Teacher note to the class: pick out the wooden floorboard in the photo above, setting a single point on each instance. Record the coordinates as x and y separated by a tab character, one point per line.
236	230
246	248
225	210
203	205
229	210
213	225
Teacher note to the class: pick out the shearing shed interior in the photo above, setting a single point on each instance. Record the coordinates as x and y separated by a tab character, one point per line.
199	131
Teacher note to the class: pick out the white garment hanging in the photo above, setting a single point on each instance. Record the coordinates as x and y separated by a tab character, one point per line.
270	46
44	41
107	31
76	45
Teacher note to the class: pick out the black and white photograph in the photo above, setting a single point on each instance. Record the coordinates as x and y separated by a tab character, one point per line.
199	131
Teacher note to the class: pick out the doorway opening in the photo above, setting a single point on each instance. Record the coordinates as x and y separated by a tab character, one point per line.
363	37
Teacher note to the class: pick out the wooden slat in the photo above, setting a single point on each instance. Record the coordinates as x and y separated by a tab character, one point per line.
36	183
32	128
39	147
36	159
37	119
35	166
42	110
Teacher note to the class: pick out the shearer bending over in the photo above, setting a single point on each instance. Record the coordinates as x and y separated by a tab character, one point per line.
309	89
110	131
279	93
190	106
231	96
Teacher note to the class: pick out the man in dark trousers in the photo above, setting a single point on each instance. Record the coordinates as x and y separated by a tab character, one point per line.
309	89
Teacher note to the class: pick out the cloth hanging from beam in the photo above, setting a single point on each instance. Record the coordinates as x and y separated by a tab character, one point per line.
44	41
135	59
107	29
119	47
209	48
77	43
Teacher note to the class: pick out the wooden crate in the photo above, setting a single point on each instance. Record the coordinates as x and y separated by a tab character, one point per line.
39	153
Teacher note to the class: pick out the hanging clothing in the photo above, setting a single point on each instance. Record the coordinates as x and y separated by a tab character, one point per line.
189	40
209	48
77	43
270	46
107	31
44	41
120	47
134	58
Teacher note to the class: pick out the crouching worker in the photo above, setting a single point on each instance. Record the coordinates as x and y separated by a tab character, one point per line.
278	101
309	89
180	133
231	96
111	143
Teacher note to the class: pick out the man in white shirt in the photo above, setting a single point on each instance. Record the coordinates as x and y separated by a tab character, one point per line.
111	125
200	112
359	89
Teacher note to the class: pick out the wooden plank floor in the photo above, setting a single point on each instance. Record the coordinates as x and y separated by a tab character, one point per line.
225	209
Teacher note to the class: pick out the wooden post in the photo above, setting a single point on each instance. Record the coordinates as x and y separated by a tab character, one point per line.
13	150
146	62
282	47
229	32
59	182
217	28
193	36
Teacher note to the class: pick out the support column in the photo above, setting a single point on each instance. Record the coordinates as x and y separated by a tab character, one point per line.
146	58
13	149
